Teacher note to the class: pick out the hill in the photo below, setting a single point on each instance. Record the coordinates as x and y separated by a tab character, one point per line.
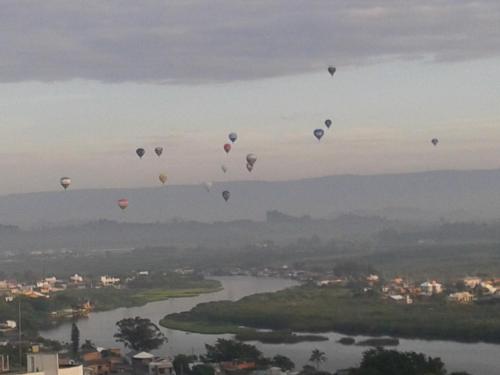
460	195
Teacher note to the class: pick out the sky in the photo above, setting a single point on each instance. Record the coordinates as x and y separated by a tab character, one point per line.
84	83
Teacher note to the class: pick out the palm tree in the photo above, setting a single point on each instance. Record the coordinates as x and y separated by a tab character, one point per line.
317	356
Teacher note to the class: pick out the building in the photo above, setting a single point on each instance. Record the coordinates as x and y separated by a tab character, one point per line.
472	282
76	279
8	325
461	297
109	280
161	367
372	278
48	364
431	287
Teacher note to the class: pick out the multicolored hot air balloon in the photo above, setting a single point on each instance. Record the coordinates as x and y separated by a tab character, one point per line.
233	137
123	203
140	152
435	141
163	178
332	70
227	148
328	123
158	151
65	182
226	195
251	159
318	133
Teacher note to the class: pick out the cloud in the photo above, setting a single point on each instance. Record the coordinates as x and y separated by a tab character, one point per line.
224	40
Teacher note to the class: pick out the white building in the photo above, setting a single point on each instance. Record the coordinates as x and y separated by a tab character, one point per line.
48	364
109	280
8	324
76	279
431	287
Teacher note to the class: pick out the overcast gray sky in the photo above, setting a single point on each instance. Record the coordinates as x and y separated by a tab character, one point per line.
82	83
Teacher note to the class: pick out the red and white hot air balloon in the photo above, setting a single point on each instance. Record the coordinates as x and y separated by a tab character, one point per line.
227	148
123	203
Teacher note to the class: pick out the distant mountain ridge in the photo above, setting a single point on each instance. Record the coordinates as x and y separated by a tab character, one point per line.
466	194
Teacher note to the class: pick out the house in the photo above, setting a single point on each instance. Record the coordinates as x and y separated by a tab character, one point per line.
461	297
488	288
431	287
236	366
372	278
49	364
97	367
76	279
8	325
108	280
472	282
161	367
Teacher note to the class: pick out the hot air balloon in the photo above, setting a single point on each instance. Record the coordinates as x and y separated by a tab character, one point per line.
332	70
226	195
207	186
328	123
159	151
140	152
435	141
233	137
249	167
123	203
224	168
318	133
251	159
163	178
227	148
65	182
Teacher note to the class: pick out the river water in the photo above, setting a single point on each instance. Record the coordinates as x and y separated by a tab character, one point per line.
478	359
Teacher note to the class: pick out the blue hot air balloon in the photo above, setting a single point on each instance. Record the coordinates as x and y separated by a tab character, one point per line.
233	137
318	133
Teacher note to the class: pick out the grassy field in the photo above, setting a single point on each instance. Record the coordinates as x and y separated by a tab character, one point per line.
312	309
241	333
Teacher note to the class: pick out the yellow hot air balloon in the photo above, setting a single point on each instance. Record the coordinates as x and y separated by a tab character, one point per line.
163	178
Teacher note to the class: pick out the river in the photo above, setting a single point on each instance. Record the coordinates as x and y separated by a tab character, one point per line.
478	359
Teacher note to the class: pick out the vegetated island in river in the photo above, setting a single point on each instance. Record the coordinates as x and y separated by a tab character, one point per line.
39	313
309	308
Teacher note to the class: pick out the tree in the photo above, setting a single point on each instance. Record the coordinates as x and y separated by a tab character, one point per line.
181	364
317	357
284	363
88	346
75	339
229	350
139	334
203	370
391	362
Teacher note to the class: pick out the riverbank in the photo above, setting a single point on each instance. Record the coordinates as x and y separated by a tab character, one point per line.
42	313
313	309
